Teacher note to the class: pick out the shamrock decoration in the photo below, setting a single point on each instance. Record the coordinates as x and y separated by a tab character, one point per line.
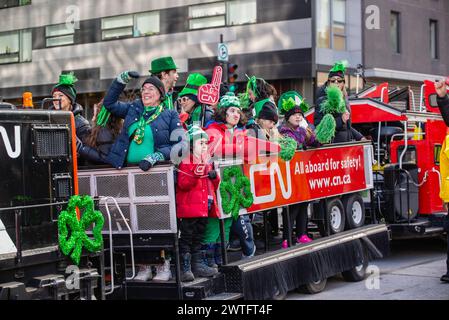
78	239
233	197
288	148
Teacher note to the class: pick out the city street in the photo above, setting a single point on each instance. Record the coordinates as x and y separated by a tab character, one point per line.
411	272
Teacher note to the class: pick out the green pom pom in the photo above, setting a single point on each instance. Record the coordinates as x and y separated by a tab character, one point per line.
244	100
325	131
340	66
288	105
67	79
288	148
304	106
334	102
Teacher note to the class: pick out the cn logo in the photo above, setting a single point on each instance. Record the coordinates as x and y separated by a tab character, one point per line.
274	170
17	150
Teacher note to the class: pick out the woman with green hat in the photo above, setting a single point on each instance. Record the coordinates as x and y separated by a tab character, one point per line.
64	95
188	98
293	106
332	117
150	132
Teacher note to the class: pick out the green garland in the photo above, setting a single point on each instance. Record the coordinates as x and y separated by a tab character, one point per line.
288	148
235	195
78	239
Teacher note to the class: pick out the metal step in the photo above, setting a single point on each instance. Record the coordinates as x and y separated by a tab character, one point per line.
226	296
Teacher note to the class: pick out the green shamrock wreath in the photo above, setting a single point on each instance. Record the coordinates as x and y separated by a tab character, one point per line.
232	195
68	221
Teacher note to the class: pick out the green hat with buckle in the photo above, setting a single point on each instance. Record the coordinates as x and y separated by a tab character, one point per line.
162	64
194	82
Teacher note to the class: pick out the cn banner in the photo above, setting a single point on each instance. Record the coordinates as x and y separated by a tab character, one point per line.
310	175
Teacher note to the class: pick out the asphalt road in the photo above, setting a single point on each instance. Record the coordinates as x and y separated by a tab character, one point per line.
411	272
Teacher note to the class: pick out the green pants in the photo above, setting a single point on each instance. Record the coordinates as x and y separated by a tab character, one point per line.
212	233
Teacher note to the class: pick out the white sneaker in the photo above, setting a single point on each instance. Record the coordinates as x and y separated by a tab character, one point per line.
144	274
163	272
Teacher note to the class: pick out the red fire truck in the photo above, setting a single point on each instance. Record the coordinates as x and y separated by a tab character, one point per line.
407	142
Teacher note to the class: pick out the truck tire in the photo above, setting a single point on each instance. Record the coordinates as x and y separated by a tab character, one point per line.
313	287
335	213
358	273
355	211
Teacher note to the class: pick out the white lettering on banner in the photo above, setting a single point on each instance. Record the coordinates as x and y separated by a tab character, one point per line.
274	168
16	153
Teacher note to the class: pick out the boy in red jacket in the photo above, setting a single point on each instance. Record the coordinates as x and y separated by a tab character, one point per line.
196	200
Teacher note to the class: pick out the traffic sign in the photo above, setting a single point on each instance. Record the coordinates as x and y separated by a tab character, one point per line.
223	52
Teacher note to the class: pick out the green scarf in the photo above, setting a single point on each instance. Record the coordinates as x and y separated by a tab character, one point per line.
140	131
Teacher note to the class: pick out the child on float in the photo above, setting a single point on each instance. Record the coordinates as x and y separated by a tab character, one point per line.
295	126
227	138
196	201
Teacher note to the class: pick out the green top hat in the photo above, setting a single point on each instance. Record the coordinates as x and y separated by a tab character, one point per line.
290	100
194	82
162	64
229	100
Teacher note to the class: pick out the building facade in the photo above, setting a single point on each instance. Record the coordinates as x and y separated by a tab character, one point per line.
291	43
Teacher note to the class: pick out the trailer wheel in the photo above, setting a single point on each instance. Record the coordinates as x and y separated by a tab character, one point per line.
355	211
313	287
358	273
278	296
336	216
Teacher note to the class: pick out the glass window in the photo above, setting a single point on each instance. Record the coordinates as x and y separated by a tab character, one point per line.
339	24
147	24
117	27
434	39
395	32
223	13
137	25
210	22
207	10
25	46
241	12
15	46
323	26
117	22
58	35
13	3
437	153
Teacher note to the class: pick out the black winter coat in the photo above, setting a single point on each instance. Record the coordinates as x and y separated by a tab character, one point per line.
443	104
344	131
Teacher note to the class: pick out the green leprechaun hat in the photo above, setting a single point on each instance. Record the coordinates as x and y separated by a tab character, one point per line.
66	85
162	64
290	101
339	69
229	100
194	82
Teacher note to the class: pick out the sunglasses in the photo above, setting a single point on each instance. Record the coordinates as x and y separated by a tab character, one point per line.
183	99
339	81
